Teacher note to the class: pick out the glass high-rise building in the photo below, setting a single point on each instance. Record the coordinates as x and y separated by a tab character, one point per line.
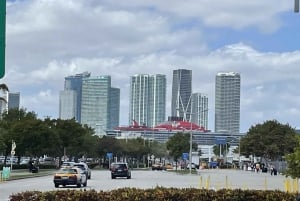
14	100
227	102
74	83
67	104
147	99
199	111
181	93
100	104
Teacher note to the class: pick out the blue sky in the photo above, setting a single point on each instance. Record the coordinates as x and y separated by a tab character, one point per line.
47	40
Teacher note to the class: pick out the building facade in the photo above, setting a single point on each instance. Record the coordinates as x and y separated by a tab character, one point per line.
67	104
181	93
147	99
100	104
199	111
227	102
14	100
74	83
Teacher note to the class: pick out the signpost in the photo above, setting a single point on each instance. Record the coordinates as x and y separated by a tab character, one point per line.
2	37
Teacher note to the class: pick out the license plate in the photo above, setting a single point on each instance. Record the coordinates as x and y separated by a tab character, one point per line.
64	177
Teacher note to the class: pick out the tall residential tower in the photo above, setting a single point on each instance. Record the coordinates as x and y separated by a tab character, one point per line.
147	99
227	102
199	111
181	93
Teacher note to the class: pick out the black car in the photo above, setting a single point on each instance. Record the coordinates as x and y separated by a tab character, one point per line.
120	170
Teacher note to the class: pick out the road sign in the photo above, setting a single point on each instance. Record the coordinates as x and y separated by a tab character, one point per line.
185	156
221	140
13	153
2	37
109	155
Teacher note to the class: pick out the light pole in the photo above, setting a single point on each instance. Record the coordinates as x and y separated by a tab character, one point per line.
191	138
191	143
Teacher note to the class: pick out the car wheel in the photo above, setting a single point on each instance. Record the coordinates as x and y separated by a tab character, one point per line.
78	185
113	177
85	184
56	185
89	177
129	177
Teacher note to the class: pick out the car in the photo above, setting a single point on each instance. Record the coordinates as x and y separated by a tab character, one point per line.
120	169
70	176
158	166
85	168
168	166
67	164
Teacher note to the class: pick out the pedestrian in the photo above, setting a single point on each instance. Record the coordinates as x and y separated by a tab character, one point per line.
272	170
257	167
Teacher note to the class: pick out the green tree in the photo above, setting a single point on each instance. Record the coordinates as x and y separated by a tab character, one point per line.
270	140
8	122
293	161
178	144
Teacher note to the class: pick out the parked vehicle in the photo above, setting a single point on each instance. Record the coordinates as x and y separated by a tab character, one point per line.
85	168
70	176
158	166
67	164
120	170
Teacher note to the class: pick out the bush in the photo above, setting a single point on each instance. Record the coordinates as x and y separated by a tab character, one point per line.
155	194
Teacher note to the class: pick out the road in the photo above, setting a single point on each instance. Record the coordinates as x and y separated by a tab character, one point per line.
101	180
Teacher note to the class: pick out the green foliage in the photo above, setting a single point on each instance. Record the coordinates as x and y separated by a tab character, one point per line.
155	194
270	140
178	144
293	161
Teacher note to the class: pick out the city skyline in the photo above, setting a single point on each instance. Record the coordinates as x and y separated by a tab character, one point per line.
51	39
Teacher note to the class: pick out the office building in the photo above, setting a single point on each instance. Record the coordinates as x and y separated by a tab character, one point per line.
147	99
73	83
227	102
14	100
67	104
181	93
100	104
199	111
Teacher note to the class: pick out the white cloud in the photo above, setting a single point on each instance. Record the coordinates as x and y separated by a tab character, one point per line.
50	39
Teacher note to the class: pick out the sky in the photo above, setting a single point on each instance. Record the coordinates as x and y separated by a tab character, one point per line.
47	40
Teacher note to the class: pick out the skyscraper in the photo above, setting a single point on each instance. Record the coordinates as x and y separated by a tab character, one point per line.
199	111
147	99
181	93
227	102
13	100
100	104
157	100
67	104
73	83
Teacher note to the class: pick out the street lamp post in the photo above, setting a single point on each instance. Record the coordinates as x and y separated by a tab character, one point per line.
191	143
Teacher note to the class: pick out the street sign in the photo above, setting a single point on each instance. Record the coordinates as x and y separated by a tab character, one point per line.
2	37
13	153
185	156
109	155
221	140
